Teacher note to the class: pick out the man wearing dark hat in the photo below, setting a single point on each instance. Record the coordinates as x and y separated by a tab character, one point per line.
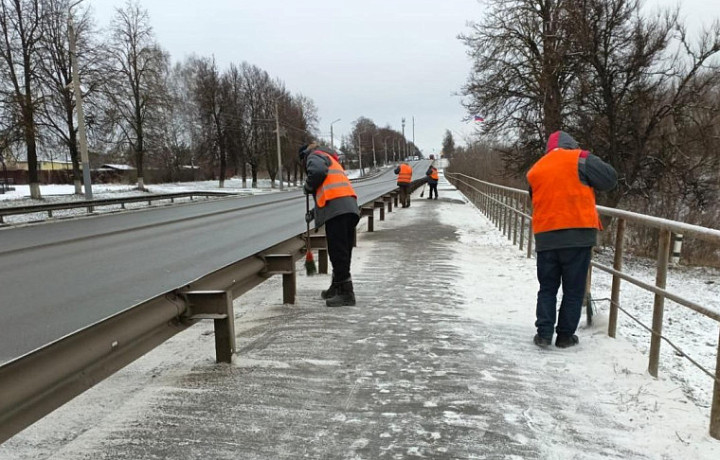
336	207
565	223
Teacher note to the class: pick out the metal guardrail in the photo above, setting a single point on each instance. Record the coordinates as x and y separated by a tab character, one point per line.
90	205
510	210
39	382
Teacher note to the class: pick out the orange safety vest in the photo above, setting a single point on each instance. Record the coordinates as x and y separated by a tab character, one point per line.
434	174
335	185
560	200
405	176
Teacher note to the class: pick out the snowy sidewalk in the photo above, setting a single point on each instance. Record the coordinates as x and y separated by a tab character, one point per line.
436	361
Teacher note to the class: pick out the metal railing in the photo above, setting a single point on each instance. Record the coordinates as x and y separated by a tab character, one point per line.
90	205
39	382
510	210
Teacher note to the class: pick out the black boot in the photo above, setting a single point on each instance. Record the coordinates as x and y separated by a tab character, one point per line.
344	296
331	291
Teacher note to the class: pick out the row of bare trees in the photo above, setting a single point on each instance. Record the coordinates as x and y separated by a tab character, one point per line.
370	146
636	88
166	120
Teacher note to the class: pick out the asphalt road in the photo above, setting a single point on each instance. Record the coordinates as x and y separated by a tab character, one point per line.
59	277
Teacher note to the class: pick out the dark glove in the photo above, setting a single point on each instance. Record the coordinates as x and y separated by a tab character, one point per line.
310	216
307	190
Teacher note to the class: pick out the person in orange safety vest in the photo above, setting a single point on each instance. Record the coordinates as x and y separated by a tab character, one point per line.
404	172
565	223
432	178
336	207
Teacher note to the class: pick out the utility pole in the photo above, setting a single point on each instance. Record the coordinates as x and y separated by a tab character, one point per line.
385	145
404	141
373	143
82	136
332	141
414	147
277	131
362	173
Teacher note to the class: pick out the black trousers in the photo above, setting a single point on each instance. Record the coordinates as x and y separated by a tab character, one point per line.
432	187
340	233
404	195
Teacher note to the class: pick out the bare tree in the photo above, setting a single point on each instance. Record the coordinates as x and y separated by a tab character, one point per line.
633	91
135	90
237	123
21	29
521	71
260	111
211	93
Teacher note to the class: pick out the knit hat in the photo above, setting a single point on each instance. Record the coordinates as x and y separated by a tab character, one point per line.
562	140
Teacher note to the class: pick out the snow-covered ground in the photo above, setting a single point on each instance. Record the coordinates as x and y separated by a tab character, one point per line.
667	418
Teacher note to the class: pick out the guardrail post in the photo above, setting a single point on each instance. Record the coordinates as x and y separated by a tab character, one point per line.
370	214
215	305
388	199
715	408
588	296
522	223
516	211
659	304
617	265
531	237
283	264
395	198
319	242
506	215
381	205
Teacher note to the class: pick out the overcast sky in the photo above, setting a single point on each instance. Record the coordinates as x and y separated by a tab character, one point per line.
381	59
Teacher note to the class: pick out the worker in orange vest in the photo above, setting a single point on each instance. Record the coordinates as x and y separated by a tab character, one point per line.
336	207
404	172
565	223
432	178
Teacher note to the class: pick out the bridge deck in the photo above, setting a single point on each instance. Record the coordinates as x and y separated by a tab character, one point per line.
436	361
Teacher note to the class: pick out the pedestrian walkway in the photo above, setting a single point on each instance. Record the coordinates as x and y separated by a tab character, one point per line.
436	361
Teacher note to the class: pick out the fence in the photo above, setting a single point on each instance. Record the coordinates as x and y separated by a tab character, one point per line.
510	210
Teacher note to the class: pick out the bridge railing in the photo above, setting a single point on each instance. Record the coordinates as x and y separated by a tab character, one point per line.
510	210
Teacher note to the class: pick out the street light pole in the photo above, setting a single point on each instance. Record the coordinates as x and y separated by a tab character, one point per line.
277	131
332	140
373	144
404	151
414	146
82	136
362	173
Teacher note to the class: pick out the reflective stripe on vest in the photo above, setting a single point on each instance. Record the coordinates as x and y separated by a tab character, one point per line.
560	200
335	185
405	176
434	174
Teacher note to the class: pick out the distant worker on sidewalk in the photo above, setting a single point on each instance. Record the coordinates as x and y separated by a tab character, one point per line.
565	223
404	172
336	207
432	178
